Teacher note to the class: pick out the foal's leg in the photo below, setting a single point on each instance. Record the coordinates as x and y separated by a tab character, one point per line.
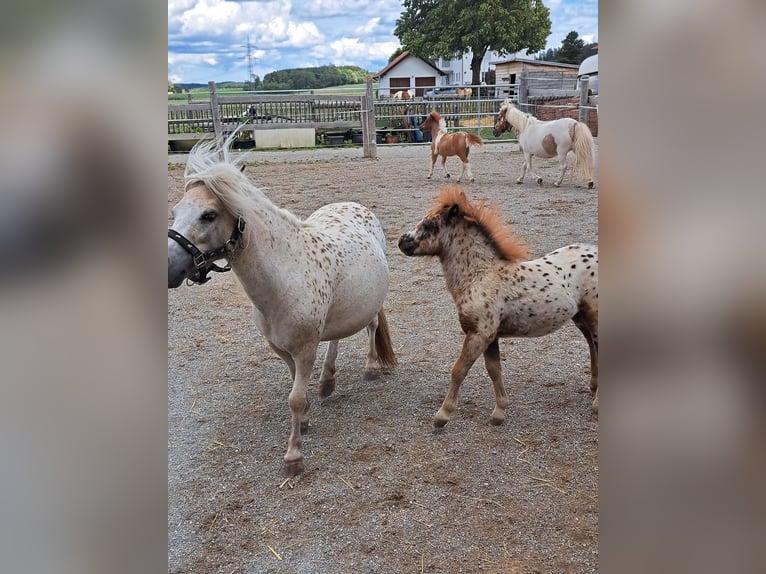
590	331
466	167
444	167
370	372
492	363
327	376
298	401
433	163
473	346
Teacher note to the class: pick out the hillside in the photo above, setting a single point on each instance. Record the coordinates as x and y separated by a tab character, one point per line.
293	79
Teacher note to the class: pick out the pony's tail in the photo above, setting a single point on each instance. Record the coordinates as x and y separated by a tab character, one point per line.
473	139
383	345
583	152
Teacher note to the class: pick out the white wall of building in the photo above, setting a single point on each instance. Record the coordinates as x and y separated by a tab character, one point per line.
408	68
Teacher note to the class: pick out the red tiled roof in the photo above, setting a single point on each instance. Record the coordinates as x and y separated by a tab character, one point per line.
393	63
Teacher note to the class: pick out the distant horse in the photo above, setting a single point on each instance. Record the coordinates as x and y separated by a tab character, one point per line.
465	92
319	279
498	292
445	144
553	138
401	95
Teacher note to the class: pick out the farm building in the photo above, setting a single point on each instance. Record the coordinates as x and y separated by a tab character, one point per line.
410	73
508	69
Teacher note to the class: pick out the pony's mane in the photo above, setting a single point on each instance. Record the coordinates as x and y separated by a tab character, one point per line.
487	217
436	116
521	120
210	163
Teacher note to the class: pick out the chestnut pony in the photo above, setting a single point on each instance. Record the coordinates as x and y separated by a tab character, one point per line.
499	292
445	144
555	138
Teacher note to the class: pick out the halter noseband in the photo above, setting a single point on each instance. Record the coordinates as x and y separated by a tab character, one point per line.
201	260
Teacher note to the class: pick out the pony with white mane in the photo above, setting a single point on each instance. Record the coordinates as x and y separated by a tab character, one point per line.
555	138
319	279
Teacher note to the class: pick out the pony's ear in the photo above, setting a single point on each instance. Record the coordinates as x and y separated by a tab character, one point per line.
454	211
242	169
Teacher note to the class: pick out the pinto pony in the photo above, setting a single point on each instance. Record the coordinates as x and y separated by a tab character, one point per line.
445	144
319	279
499	292
554	138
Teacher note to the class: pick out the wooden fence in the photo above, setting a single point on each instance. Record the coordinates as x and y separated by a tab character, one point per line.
250	113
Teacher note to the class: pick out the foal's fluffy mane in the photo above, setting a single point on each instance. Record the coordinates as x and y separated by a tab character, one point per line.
210	163
487	217
514	116
436	116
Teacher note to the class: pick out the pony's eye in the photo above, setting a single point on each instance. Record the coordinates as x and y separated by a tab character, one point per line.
429	225
208	216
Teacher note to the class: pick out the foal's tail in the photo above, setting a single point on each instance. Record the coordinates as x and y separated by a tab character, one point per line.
583	152
472	139
383	345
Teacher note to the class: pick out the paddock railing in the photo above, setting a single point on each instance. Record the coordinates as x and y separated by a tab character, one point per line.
380	120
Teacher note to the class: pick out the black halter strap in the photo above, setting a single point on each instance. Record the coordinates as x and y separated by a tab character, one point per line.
204	262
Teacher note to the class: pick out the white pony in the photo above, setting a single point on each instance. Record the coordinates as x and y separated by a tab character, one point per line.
554	138
319	279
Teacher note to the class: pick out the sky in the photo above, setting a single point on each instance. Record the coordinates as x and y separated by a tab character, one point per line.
207	39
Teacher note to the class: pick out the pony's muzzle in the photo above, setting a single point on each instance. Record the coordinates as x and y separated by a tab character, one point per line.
407	244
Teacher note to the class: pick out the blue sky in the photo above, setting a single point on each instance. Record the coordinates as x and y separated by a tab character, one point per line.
207	39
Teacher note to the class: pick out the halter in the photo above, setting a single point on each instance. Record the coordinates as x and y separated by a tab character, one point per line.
202	261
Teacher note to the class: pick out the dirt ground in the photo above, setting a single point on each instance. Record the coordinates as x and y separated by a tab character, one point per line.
383	490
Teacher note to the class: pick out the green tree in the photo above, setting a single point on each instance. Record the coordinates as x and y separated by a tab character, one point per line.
571	48
450	28
396	53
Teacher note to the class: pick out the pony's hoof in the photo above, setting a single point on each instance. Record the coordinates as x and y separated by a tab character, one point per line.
539	181
590	185
428	177
496	421
370	375
471	180
446	176
555	184
519	182
326	388
441	419
294	468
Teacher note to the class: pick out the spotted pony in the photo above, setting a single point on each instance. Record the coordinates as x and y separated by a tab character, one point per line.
499	292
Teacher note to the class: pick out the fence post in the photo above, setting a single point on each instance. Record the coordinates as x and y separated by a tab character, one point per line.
369	145
215	110
523	90
584	81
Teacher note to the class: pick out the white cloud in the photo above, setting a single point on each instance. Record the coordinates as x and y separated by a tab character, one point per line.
368	28
348	50
213	17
